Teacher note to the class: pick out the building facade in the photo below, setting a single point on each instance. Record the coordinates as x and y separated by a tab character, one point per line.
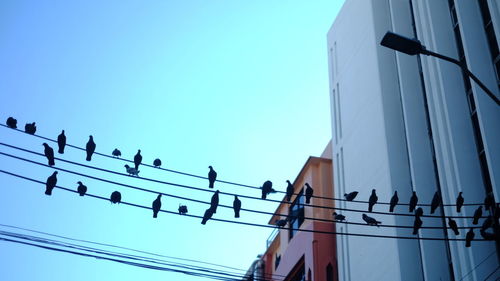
415	123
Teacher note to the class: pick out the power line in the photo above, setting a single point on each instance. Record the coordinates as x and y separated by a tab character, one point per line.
227	182
252	224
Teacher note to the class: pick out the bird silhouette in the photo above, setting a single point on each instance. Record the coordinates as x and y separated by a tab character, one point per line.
51	183
372	201
208	215
436	200
417	224
267	188
30	128
214	202
157	163
453	225
469	237
487	223
116	153
212	176
116	197
90	148
49	153
82	189
131	171
289	191
477	214
236	206
183	209
419	212
280	223
460	202
12	122
370	220
137	159
338	217
413	202
394	201
309	193
61	142
156	206
350	196
488	235
489	201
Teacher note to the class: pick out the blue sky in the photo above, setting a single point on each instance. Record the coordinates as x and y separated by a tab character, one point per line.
239	85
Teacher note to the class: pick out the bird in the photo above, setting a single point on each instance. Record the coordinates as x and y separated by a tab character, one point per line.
477	214
183	209
208	215
487	223
338	217
212	176
61	142
460	202
413	201
214	202
236	206
51	183
30	128
419	212
370	220
12	122
394	201
469	237
350	196
488	235
49	153
131	171
267	188
156	206
116	153
372	201
157	163
82	189
417	224
90	148
453	225
280	223
309	193
436	200
489	201
116	197
137	159
289	191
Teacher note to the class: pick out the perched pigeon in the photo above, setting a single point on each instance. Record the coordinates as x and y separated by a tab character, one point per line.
280	223
338	217
460	202
372	201
116	153
236	206
157	163
289	191
370	220
208	215
183	209
90	148
419	212
488	235
131	171
30	128
413	202
350	196
469	237
436	200
453	225
212	176
487	223
137	159
82	189
417	224
49	153
309	193
214	202
489	201
116	197
61	142
156	206
477	214
12	123
394	201
51	183
267	188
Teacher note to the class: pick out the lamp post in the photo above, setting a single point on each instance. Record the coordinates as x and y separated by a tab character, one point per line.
414	47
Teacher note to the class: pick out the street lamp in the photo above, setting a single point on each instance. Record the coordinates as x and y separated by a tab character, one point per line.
414	47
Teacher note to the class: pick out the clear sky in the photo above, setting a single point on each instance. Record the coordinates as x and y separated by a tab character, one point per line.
239	85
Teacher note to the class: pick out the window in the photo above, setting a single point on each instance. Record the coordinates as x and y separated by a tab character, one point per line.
296	214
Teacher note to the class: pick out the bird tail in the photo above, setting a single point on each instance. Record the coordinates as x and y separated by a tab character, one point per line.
456	231
391	209
370	208
458	209
155	214
137	167
415	231
51	162
432	210
308	200
81	193
204	221
61	150
467	244
89	157
48	191
410	209
475	221
237	214
211	185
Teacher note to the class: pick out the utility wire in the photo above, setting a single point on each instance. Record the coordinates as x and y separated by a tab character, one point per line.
491	274
491	254
228	182
253	224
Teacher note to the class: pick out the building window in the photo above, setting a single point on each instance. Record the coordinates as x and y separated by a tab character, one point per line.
329	272
296	214
298	273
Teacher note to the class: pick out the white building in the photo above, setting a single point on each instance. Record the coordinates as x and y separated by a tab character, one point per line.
413	123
